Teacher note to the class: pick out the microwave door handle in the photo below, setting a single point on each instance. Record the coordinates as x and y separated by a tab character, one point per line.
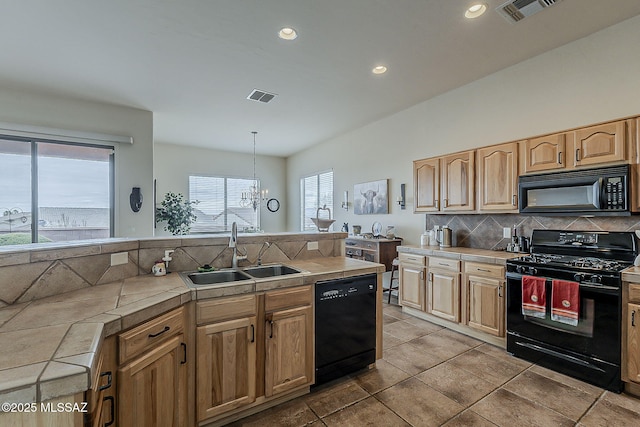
602	197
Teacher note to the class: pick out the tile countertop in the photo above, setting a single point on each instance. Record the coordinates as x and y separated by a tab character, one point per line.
464	254
48	346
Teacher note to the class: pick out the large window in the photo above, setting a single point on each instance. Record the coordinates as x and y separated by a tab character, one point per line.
54	191
316	192
219	204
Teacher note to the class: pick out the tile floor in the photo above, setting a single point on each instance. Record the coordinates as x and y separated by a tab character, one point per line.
431	376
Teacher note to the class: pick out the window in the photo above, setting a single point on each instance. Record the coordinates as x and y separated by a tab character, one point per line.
54	191
316	192
219	204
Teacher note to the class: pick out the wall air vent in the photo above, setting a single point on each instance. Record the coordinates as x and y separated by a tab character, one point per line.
516	10
261	96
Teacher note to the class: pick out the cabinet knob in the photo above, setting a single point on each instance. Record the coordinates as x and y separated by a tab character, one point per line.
577	154
559	157
513	200
633	318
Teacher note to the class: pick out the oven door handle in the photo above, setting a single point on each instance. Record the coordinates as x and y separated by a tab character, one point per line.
559	355
584	285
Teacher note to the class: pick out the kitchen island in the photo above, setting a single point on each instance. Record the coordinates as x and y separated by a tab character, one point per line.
53	347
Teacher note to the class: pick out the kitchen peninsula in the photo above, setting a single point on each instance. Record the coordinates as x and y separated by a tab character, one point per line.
77	327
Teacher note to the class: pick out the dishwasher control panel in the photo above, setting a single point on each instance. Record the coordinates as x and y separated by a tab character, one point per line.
343	292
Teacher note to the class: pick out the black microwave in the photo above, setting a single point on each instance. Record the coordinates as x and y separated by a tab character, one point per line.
584	192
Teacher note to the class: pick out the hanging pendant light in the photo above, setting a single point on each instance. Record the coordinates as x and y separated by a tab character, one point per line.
254	196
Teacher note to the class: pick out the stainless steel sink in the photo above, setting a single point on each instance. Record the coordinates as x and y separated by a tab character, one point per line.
270	271
217	277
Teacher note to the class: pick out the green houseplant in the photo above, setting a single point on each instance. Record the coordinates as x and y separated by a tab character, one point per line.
177	212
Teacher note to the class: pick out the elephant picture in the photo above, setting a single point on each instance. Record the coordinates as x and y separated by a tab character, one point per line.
371	198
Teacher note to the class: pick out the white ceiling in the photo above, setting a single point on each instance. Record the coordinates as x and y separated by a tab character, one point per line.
193	62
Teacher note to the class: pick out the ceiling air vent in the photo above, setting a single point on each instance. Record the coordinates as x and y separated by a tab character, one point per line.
261	96
517	10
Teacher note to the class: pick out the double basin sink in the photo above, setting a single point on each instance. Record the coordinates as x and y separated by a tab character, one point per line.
249	273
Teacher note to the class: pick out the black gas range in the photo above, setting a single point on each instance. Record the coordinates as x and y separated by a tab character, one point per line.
589	348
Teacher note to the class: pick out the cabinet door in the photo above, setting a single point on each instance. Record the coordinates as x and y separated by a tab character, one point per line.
486	304
498	178
153	387
226	366
412	286
458	177
426	185
289	350
600	144
444	295
546	153
633	342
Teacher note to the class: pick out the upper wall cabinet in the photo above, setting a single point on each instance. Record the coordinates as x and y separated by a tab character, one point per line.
458	178
546	153
498	178
426	179
445	183
600	144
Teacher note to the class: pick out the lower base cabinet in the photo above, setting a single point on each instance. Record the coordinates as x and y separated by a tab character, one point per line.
443	288
413	288
252	348
152	377
484	289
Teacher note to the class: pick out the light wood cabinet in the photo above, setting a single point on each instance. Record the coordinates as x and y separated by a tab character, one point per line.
544	154
252	348
444	184
498	178
412	281
226	364
288	339
633	341
443	288
600	144
458	178
289	350
484	287
152	377
102	394
153	387
426	179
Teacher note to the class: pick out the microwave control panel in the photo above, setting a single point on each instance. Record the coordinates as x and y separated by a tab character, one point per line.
614	193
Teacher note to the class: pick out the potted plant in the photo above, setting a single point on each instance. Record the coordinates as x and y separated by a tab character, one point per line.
177	212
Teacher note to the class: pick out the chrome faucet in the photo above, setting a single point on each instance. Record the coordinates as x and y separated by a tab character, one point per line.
264	247
233	243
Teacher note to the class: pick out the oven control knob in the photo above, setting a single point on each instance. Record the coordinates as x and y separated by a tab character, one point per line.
533	271
520	269
596	279
579	277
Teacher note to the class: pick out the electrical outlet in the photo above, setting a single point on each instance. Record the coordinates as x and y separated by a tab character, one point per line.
506	232
312	246
119	258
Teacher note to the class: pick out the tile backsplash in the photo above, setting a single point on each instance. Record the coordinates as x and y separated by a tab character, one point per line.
485	231
38	271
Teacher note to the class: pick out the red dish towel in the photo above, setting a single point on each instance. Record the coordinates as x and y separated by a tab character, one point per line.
565	302
534	296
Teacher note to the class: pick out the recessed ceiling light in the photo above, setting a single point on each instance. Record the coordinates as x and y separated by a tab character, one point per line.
380	69
475	10
287	33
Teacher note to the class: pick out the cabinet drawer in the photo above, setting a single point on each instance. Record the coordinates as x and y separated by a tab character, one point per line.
220	309
444	264
634	293
412	259
141	338
364	244
277	300
486	270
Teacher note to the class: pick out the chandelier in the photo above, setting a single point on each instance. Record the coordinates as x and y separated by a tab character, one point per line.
254	196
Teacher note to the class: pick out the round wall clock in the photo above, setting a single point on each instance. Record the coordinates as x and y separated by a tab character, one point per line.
273	205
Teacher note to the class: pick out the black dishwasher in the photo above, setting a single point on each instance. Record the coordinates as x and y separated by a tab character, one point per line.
345	326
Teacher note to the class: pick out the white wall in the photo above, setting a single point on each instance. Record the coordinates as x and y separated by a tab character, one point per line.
174	163
590	80
134	167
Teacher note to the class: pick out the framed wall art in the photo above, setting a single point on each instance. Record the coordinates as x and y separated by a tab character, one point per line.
371	197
